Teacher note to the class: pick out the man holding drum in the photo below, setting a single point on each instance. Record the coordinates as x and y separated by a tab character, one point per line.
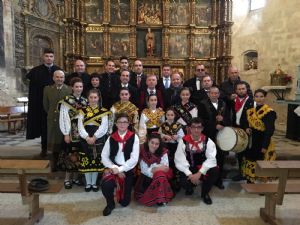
242	103
215	115
195	158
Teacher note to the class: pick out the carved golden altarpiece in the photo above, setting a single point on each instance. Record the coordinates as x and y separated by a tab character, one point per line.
181	33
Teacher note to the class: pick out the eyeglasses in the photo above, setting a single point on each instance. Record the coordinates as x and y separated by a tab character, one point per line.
199	70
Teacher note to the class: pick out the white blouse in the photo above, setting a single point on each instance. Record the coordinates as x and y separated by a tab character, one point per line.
101	131
147	170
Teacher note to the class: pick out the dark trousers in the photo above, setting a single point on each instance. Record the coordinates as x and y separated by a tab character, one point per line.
220	157
208	181
44	134
108	188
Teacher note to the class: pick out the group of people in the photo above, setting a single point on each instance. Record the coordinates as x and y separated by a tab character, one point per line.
143	133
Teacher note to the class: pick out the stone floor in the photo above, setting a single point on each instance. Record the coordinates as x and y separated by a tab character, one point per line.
231	206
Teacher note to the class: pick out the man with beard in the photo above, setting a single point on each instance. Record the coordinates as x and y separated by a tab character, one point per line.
39	77
80	71
215	115
242	103
227	87
124	65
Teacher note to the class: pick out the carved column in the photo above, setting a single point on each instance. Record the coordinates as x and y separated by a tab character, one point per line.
166	12
193	11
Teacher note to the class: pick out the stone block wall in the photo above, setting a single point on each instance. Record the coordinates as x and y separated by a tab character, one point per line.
273	31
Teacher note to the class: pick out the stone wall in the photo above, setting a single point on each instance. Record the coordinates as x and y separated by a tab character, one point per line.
274	33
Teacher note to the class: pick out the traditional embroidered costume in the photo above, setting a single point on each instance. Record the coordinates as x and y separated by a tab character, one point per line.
185	113
68	123
192	156
150	121
171	129
121	152
261	120
153	188
92	122
130	109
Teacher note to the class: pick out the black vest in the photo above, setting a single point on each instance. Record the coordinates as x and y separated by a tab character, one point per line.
195	158
114	148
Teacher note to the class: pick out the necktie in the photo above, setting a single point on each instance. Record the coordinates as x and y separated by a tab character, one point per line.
138	80
49	69
167	83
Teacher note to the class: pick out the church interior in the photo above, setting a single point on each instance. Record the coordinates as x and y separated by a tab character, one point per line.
259	37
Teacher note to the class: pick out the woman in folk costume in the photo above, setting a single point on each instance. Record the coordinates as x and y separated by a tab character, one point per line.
185	110
261	120
125	106
171	132
119	156
151	118
68	123
153	185
92	126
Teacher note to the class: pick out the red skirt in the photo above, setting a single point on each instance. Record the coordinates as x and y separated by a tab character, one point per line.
150	191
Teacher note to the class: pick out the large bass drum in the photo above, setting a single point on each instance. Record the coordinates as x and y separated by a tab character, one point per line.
232	139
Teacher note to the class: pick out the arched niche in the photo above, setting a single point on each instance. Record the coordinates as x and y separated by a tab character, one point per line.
250	59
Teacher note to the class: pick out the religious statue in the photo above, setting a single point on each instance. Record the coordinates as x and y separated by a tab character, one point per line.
150	42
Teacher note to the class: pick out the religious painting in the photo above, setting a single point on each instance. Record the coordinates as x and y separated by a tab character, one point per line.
149	43
179	12
119	44
37	46
203	13
152	70
94	11
202	44
95	69
2	56
119	12
94	44
149	12
178	46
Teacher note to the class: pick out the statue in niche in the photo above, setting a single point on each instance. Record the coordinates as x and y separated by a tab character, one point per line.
150	42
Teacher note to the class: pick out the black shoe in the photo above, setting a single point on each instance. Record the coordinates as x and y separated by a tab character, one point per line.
220	186
68	184
78	182
206	199
108	209
189	191
88	188
238	177
95	188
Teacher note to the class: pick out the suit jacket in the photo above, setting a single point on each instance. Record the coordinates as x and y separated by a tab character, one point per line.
143	99
51	98
171	96
208	113
195	94
108	85
160	84
85	77
134	97
243	120
133	81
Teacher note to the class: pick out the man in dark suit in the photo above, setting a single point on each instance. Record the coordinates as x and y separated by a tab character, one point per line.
109	82
202	94
80	71
165	81
39	77
171	95
241	104
195	83
151	83
215	115
124	78
138	78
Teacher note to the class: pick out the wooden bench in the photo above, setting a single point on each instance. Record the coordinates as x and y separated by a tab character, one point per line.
25	168
274	192
11	115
